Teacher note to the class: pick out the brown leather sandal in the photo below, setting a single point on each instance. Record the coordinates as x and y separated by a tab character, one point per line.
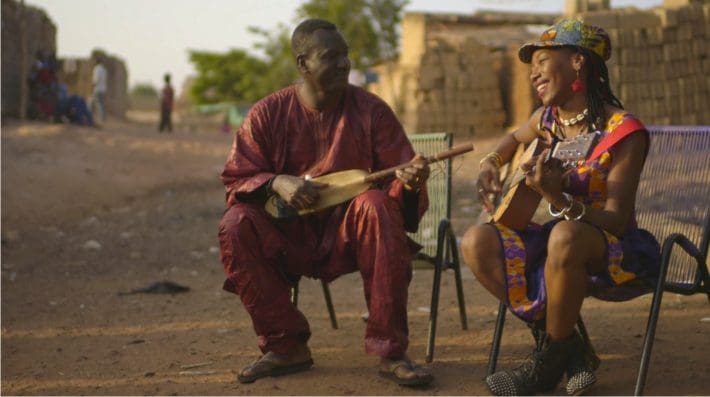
391	374
266	366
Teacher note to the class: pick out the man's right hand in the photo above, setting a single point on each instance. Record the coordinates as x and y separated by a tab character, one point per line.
488	185
298	192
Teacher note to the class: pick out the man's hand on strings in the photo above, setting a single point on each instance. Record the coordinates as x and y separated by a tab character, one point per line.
416	174
488	185
298	192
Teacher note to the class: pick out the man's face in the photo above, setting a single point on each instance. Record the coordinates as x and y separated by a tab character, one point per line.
326	66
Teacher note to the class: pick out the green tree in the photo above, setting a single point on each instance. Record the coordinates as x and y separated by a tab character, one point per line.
233	76
144	90
276	48
386	16
369	27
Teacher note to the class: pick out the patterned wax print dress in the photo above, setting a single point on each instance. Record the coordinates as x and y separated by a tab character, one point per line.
633	259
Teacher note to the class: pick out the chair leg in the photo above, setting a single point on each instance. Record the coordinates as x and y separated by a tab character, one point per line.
442	254
455	265
497	336
648	339
434	308
648	342
329	304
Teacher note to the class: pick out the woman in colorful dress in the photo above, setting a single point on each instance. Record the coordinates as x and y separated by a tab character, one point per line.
593	247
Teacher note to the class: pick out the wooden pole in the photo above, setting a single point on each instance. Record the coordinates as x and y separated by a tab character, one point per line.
23	62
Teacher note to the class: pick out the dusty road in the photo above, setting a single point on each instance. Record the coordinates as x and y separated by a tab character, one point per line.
88	213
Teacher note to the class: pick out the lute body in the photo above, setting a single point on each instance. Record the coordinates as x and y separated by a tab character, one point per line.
345	185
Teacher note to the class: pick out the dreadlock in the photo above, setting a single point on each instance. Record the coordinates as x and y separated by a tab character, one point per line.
598	89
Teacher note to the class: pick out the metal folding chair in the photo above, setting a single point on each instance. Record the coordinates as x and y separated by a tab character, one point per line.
435	233
672	204
328	301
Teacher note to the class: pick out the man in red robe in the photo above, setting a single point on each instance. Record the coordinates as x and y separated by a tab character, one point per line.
316	127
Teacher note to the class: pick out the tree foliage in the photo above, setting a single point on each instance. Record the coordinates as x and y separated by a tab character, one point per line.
226	77
144	90
369	27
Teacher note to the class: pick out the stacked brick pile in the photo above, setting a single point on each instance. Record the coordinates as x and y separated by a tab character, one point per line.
660	65
453	87
453	76
456	73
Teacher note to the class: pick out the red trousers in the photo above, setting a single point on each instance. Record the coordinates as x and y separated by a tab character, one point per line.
366	235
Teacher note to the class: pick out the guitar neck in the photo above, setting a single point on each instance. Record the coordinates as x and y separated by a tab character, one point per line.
576	150
456	151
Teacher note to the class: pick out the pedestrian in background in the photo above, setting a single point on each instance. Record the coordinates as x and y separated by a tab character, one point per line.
166	105
100	80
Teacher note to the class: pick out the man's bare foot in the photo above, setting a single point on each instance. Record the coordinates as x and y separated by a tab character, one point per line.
404	372
272	364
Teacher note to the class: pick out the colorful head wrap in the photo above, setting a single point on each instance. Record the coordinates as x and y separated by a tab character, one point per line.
570	32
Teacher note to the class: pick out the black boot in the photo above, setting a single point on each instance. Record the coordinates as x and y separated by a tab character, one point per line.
580	369
582	364
542	371
537	328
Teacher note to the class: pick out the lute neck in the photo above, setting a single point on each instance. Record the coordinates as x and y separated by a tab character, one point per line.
456	151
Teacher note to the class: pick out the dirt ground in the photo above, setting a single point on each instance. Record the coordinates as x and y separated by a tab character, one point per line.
89	213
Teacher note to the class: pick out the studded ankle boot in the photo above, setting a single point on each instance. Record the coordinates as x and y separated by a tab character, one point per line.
580	368
537	328
541	372
582	364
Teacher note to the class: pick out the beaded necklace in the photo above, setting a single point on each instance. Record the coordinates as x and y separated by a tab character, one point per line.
574	120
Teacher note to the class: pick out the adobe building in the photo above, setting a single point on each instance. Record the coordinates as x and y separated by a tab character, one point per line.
455	72
18	54
77	74
660	63
27	31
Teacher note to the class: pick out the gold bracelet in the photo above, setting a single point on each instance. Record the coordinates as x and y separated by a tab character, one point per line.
494	157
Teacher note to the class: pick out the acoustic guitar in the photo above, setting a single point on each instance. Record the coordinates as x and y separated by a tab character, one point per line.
519	202
345	185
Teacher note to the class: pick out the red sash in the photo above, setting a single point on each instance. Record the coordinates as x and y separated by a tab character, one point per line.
627	126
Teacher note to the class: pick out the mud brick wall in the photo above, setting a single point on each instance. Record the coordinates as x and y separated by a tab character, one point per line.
457	88
660	65
40	35
456	73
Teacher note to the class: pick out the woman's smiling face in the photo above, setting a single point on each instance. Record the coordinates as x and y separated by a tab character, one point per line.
552	74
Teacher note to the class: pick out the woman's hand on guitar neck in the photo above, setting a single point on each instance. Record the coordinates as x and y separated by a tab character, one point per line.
545	176
488	185
298	192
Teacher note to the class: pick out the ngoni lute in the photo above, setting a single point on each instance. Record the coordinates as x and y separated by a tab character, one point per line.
519	202
345	185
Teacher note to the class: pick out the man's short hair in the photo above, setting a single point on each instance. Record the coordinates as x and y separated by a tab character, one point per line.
301	38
